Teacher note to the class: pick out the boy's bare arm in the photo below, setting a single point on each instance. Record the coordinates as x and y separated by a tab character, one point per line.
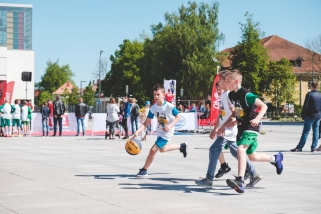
255	122
215	129
230	120
142	127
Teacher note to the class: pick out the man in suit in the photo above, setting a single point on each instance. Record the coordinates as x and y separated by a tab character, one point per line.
311	114
58	113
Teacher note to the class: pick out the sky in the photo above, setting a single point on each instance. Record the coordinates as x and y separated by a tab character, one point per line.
74	32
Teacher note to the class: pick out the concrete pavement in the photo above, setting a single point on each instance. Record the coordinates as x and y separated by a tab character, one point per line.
94	175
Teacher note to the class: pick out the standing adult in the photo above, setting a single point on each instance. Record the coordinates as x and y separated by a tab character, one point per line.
112	117
134	114
81	110
45	117
169	96
16	115
58	112
126	108
208	101
311	114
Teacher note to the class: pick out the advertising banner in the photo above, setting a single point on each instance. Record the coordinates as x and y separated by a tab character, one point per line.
187	121
215	104
171	85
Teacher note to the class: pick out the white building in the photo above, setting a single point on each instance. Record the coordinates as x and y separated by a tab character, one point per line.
16	54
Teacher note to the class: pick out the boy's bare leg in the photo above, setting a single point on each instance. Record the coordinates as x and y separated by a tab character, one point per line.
221	158
261	157
151	156
241	152
169	147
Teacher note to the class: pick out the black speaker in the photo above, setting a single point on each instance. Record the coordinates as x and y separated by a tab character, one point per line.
26	76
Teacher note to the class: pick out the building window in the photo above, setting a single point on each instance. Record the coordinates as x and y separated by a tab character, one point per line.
298	63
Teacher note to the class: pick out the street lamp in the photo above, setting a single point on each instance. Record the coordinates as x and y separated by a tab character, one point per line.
101	51
81	87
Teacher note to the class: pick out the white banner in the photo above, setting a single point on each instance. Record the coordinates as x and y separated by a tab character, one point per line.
171	84
69	122
187	121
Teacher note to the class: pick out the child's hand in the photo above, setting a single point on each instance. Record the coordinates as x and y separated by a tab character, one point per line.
221	131
255	122
213	134
134	135
167	128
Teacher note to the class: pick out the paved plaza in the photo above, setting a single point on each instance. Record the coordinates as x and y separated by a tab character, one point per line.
93	175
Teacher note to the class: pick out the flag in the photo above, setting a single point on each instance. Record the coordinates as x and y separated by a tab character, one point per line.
6	91
215	102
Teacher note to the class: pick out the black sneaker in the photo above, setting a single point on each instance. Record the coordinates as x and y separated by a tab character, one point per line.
237	184
312	149
296	150
246	176
142	173
222	171
183	149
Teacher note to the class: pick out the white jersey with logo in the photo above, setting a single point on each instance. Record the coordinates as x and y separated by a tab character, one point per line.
165	114
6	111
225	113
17	113
24	113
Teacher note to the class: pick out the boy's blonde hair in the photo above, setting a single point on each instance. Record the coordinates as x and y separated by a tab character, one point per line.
224	74
236	74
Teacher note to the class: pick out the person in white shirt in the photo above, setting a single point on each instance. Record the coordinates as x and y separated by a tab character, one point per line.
112	117
167	116
16	117
6	110
25	117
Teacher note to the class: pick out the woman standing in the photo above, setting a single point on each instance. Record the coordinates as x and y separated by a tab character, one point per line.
134	114
142	117
112	116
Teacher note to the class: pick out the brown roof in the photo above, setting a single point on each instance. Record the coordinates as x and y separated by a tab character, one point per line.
68	85
279	48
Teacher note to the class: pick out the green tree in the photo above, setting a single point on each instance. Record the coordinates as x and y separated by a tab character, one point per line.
54	77
183	48
251	57
73	96
44	97
282	82
89	95
65	96
125	70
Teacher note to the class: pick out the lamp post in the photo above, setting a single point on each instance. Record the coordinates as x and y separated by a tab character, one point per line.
81	87
101	51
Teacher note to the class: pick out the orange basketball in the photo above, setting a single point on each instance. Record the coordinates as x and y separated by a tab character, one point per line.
133	147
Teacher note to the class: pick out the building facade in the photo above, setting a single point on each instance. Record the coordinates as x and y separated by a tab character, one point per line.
16	54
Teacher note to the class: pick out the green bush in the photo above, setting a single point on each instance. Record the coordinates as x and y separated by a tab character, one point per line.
297	110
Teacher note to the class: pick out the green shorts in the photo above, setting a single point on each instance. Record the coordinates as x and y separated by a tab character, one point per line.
6	122
249	139
1	122
25	122
16	122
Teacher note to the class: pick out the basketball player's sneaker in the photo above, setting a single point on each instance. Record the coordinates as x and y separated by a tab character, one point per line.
278	163
205	182
237	184
222	171
142	173
254	180
183	149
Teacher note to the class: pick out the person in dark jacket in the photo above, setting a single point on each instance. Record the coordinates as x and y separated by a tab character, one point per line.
45	112
80	112
311	114
58	113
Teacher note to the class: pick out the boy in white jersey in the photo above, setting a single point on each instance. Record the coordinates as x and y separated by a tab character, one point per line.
228	138
25	117
6	110
167	116
16	117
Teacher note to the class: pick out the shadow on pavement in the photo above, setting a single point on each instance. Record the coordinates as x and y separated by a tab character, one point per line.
272	123
114	176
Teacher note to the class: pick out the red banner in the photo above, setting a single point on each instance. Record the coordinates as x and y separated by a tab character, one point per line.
6	91
215	103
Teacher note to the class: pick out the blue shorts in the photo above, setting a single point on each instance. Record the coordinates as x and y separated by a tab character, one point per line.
161	142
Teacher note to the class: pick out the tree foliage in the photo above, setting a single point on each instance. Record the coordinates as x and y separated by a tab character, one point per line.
282	82
251	57
44	96
89	95
54	77
314	50
73	96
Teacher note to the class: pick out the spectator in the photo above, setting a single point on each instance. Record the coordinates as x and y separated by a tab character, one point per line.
311	114
126	109
16	117
112	117
58	113
185	108
193	108
81	110
201	107
134	114
45	112
169	96
208	101
142	117
30	105
206	113
25	117
180	108
7	110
